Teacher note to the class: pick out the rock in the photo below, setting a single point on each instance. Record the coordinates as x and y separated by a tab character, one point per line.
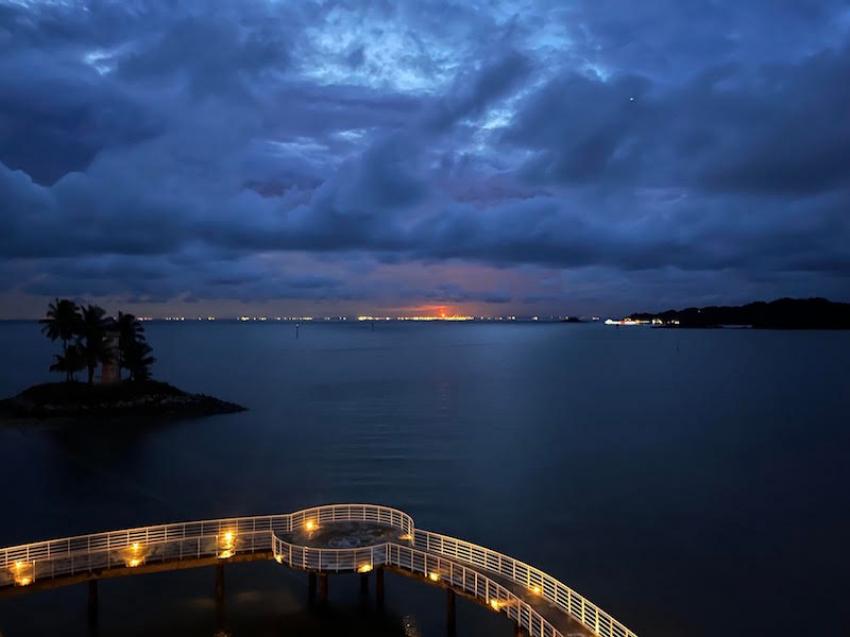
136	400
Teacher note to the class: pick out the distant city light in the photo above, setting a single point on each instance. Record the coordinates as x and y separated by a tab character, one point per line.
453	317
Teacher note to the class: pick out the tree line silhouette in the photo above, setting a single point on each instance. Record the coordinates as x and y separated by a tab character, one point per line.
85	334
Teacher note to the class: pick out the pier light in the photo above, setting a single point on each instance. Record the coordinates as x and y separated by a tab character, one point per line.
310	525
434	576
364	568
278	558
536	589
407	537
227	544
22	573
496	604
134	555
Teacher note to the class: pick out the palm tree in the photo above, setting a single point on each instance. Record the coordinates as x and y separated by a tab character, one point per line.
138	360
61	322
93	341
70	362
130	332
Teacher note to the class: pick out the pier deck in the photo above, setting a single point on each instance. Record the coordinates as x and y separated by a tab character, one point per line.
353	538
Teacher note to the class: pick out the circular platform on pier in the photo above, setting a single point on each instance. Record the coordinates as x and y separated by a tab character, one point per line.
342	535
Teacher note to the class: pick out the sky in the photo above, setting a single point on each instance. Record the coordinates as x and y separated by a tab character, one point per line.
410	157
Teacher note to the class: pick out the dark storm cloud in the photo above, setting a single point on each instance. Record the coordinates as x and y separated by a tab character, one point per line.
171	151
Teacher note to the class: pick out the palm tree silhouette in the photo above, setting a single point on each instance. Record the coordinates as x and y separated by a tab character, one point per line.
130	330
61	322
138	360
93	341
70	362
133	350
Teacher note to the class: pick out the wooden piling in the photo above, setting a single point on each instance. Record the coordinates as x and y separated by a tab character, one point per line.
323	588
379	587
93	601
451	623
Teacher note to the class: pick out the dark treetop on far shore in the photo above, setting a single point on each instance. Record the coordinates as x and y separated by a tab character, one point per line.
779	314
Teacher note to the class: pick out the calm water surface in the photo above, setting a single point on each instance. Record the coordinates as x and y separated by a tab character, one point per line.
690	482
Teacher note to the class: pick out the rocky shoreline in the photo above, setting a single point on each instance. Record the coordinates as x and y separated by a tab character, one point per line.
137	400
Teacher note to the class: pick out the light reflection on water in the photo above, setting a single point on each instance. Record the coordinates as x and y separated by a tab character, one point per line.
649	469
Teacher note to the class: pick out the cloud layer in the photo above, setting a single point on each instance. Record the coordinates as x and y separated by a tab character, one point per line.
502	157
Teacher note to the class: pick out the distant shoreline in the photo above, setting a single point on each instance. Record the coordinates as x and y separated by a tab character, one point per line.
782	314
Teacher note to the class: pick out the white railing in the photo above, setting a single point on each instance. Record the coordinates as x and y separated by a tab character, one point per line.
223	537
431	554
536	581
322	559
433	568
474	583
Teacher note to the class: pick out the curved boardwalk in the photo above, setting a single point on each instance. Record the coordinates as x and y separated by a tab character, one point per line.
327	539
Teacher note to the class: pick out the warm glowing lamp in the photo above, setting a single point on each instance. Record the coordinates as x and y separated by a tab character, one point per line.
310	525
536	589
227	544
496	604
22	573
434	576
364	568
134	555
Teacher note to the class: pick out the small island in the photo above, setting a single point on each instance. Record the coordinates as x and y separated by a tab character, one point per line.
104	348
781	314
